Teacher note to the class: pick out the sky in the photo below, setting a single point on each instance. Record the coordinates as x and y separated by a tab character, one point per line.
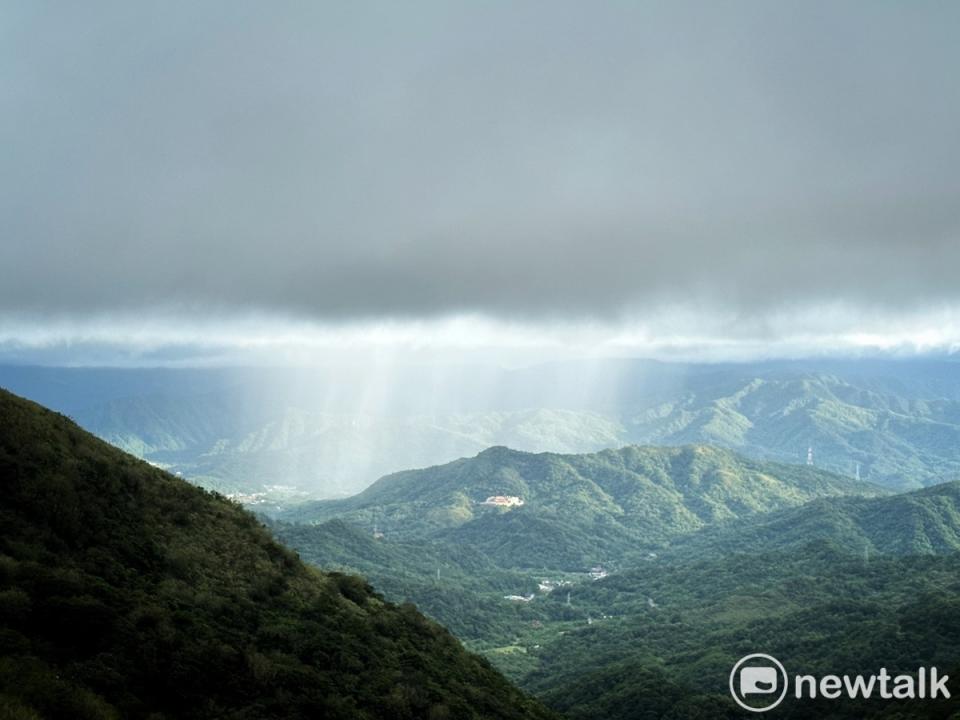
214	182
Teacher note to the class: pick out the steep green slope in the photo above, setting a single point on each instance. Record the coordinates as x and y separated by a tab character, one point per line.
125	592
578	508
455	584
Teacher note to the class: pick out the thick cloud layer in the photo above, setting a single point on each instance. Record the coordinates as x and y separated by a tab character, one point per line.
345	160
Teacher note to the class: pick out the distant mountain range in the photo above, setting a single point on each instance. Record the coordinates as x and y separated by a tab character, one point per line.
281	436
126	592
897	432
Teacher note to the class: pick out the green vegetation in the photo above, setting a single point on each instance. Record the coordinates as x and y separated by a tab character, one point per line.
839	583
578	509
125	592
658	639
457	585
816	608
923	522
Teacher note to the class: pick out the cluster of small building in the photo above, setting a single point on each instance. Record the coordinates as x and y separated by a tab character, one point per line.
503	501
271	494
597	572
548	586
247	498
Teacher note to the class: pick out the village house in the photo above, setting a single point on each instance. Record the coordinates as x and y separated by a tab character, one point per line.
503	501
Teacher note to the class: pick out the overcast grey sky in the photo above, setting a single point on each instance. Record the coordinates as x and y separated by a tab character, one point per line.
528	161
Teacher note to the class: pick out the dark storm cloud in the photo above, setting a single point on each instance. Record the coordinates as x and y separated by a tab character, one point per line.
364	159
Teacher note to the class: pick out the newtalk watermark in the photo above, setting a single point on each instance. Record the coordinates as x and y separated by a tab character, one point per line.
760	683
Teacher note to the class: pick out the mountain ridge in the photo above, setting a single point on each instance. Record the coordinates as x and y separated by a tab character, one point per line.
581	506
920	522
127	592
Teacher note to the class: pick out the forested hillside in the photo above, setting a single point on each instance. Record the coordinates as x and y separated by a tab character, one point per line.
128	593
837	584
922	522
664	636
578	509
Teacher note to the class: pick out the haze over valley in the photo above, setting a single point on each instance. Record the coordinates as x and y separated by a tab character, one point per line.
282	436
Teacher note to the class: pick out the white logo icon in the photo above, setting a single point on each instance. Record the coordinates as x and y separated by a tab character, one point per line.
758	680
758	675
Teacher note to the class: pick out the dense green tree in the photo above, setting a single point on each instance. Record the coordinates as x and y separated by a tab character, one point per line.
126	592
